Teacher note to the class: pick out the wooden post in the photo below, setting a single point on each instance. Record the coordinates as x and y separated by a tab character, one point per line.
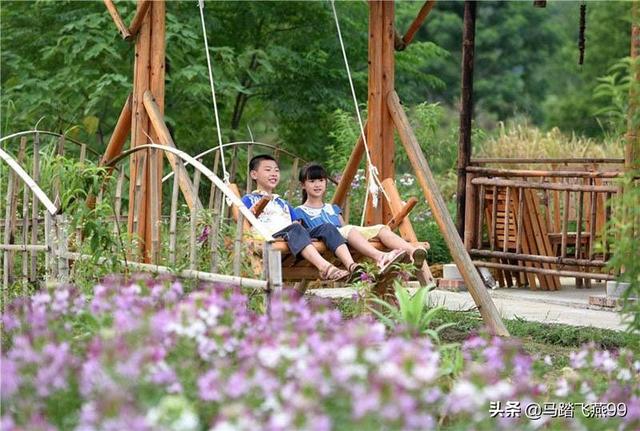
344	185
381	82
472	279
632	147
470	220
122	28
466	110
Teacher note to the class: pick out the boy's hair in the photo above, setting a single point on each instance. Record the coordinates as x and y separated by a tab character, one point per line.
311	171
255	161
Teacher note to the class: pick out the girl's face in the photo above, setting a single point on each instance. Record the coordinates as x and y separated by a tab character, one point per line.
315	188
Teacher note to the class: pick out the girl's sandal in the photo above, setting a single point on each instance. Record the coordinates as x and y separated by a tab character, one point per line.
332	273
390	259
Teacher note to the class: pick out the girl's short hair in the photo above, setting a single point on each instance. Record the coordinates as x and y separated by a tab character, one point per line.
312	171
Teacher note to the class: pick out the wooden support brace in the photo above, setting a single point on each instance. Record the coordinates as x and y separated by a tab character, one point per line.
120	133
349	172
122	28
165	139
417	22
397	206
136	22
472	279
402	214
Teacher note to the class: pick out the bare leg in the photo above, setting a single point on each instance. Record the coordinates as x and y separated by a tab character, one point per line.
345	256
311	254
393	241
361	245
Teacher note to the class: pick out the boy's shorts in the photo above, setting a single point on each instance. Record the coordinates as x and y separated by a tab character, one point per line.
368	232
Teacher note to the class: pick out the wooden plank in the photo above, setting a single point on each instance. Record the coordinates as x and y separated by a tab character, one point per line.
113	11
480	217
528	243
505	241
565	222
494	216
440	212
543	244
547	272
387	168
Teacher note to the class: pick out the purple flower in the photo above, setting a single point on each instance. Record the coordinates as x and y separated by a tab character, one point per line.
204	235
208	386
9	378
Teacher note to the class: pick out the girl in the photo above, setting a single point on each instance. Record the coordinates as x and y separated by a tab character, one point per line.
314	212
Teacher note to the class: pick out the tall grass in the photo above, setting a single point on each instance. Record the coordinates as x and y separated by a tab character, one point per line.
526	141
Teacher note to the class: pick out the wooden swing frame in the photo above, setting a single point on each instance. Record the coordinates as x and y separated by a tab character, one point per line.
141	118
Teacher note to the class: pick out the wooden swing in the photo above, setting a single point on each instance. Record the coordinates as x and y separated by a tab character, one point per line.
385	115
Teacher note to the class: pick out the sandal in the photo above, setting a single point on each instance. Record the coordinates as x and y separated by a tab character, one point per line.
418	257
332	273
356	270
390	259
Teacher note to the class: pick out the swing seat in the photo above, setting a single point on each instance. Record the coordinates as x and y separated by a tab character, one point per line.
300	269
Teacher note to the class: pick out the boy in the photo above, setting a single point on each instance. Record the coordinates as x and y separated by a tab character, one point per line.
279	218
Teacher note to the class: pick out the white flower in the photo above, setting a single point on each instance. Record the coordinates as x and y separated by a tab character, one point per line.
269	356
347	354
624	374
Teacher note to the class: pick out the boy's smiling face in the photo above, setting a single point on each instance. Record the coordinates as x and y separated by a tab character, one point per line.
266	175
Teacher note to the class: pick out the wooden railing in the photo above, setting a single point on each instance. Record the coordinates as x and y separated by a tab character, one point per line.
535	226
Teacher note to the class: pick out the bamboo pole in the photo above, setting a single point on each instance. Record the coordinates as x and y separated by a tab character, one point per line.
565	223
35	174
6	266
25	215
528	160
495	172
165	139
440	212
545	271
113	11
632	146
417	22
173	216
193	220
543	186
466	109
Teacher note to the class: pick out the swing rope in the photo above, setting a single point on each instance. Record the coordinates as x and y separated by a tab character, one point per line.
374	185
213	92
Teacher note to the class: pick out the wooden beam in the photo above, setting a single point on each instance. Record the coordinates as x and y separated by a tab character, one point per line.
120	133
466	110
136	22
403	213
164	136
472	279
113	11
156	86
406	230
344	185
381	82
417	22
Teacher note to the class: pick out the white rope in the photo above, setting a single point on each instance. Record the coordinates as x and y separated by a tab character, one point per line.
213	91
374	186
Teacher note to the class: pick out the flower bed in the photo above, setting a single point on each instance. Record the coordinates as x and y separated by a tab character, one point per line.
143	355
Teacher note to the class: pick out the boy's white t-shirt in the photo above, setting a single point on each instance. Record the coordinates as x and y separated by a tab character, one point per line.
277	215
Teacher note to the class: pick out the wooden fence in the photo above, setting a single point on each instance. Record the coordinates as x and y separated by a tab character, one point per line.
535	226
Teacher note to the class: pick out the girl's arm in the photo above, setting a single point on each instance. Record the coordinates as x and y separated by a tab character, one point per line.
341	219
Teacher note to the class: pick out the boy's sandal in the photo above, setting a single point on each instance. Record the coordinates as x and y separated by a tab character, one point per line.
332	273
390	259
418	257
